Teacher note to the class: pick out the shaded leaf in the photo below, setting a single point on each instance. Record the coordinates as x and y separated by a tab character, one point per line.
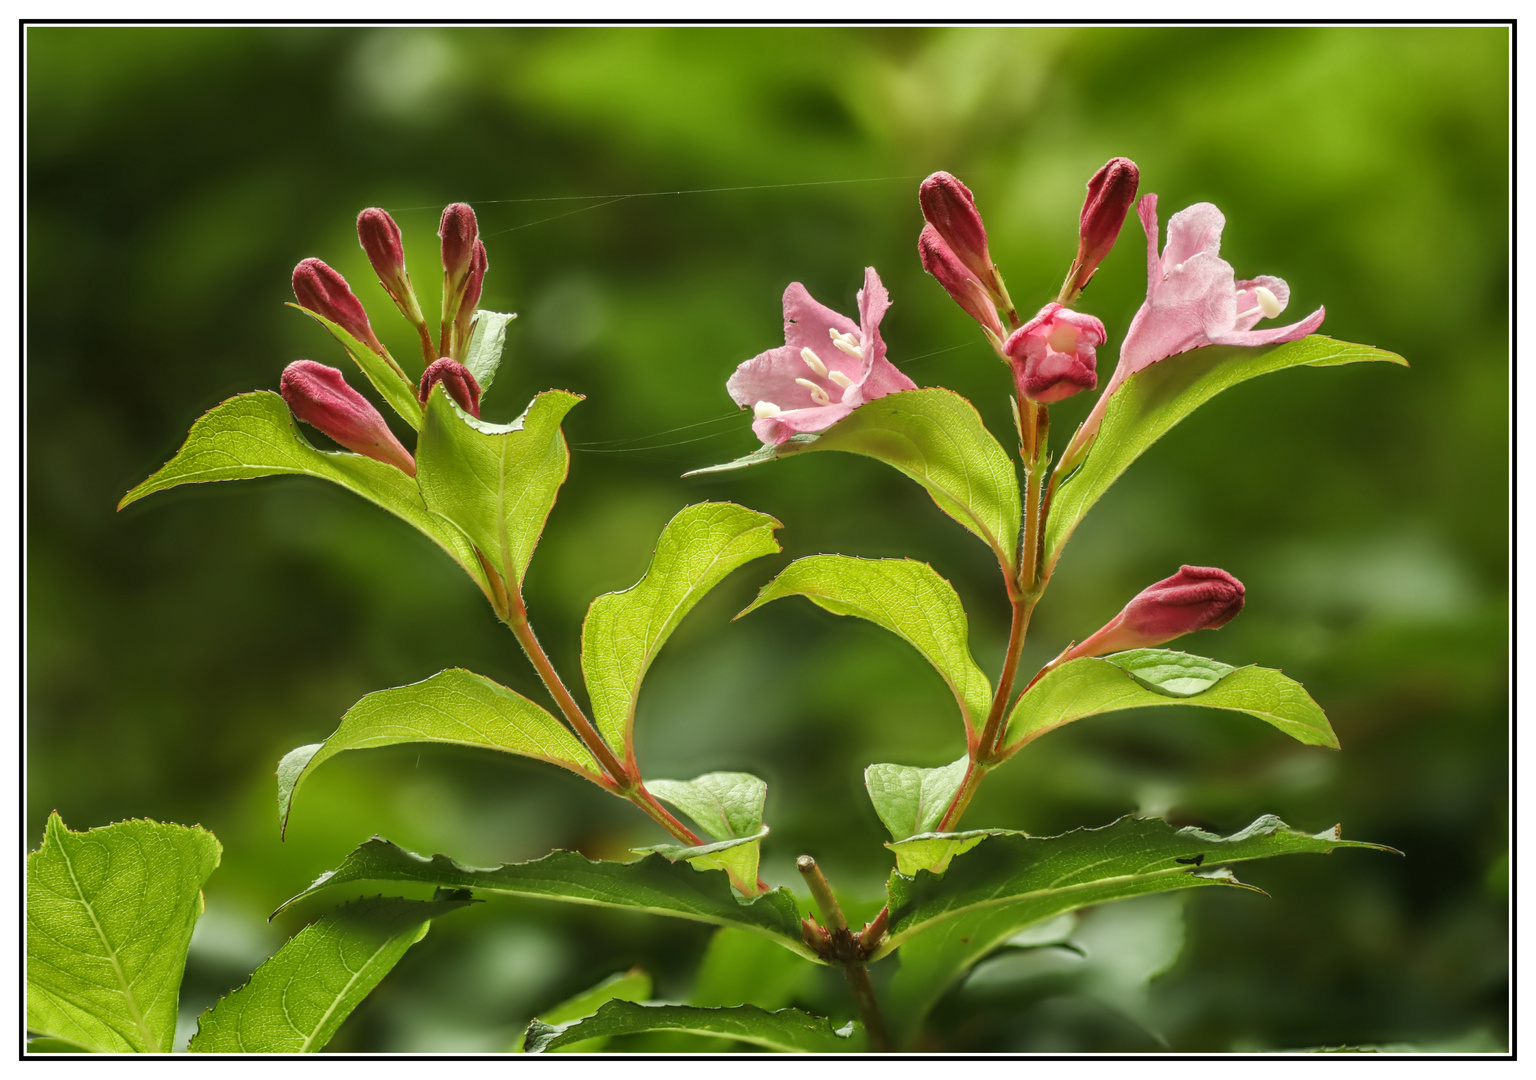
907	598
932	851
487	340
737	857
624	630
255	435
652	884
788	1030
936	437
297	1000
1152	401
746	969
910	800
109	917
1095	685
495	482
632	985
385	374
454	706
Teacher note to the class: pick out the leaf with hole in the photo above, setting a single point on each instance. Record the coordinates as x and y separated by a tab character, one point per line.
109	914
456	707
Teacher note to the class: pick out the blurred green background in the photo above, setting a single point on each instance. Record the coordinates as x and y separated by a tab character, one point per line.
178	649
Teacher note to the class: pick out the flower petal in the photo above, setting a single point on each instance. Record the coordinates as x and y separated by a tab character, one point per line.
774	430
1247	301
1195	230
1273	335
806	322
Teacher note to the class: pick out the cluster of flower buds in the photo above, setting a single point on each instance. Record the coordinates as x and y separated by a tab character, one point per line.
464	266
1196	598
953	247
320	396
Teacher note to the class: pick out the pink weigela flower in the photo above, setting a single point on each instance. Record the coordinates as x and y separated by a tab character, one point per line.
1053	354
826	368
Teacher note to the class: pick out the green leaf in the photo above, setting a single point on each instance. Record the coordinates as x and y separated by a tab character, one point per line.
495	482
737	857
746	969
453	706
652	884
726	805
943	925
254	434
382	371
623	631
46	1045
296	1000
1094	685
910	800
1152	401
109	916
907	598
936	437
932	851
487	339
788	1030
631	985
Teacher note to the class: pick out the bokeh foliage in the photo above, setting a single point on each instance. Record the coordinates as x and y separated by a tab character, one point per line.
646	194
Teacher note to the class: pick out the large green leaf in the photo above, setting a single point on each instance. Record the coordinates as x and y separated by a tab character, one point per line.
255	435
623	631
907	598
486	341
631	985
1152	401
453	706
296	1000
384	373
788	1030
944	924
652	884
1145	677
910	800
496	482
109	916
746	969
726	805
937	438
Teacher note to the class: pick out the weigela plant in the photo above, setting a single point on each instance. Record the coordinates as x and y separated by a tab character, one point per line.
482	492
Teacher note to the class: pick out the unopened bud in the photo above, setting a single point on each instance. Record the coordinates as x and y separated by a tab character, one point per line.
950	208
457	380
940	260
1053	354
1196	598
1111	192
320	396
472	287
459	232
380	237
325	292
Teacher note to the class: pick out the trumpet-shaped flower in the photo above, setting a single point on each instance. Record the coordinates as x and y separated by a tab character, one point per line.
826	368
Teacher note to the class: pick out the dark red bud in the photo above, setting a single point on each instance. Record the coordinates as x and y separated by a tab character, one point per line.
380	237
1110	195
457	380
1196	598
325	292
939	259
459	232
472	287
949	207
320	396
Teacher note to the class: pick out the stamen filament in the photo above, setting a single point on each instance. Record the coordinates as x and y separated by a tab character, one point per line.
842	380
818	395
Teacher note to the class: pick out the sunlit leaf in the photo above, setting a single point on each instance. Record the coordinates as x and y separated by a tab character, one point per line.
910	800
907	598
787	1031
1094	685
454	706
652	884
738	857
936	437
487	340
631	985
255	435
932	851
386	376
623	631
726	805
109	917
297	1000
496	482
1152	401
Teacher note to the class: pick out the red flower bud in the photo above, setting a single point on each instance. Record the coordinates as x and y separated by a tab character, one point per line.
320	396
1053	354
1110	194
951	210
939	259
1196	598
459	232
325	292
457	380
472	287
380	237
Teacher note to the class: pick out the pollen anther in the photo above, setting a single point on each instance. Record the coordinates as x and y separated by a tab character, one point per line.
813	362
846	342
818	395
842	380
764	409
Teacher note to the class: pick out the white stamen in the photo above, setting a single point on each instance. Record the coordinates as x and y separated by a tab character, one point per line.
842	380
818	395
1268	302
764	409
847	343
813	362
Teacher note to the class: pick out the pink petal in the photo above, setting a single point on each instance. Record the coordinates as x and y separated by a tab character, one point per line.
1146	209
1246	301
806	322
1195	230
770	376
1274	335
774	430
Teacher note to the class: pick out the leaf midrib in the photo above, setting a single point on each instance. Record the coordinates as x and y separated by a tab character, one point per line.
304	1047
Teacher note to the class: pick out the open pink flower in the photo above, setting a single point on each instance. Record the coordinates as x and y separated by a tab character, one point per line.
1053	354
826	368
